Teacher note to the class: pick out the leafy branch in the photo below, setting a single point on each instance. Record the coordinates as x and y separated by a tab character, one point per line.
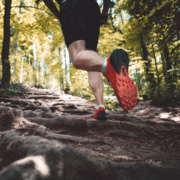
32	7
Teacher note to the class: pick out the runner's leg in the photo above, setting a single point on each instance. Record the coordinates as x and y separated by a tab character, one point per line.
81	58
83	52
96	84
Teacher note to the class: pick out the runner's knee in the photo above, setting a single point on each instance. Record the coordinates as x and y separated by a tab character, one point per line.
74	49
76	60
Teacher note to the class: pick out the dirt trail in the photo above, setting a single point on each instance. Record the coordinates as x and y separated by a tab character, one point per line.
147	134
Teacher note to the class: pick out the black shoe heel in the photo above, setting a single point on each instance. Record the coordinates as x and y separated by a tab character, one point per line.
101	116
118	58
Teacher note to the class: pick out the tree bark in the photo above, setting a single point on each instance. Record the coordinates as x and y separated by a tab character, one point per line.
53	83
17	43
145	56
156	69
168	62
21	76
171	86
65	55
42	69
62	83
5	49
29	70
164	65
149	76
35	60
61	71
68	82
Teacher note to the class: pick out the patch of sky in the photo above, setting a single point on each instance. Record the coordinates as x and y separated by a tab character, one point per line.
50	37
99	1
158	59
125	16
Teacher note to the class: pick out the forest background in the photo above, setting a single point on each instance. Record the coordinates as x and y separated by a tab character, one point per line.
147	29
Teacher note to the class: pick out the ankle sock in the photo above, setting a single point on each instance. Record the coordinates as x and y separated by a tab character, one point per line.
104	66
100	105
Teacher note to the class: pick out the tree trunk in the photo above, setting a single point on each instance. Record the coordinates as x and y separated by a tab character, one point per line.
15	58
61	83
61	71
35	59
168	62
21	76
16	45
171	86
5	49
67	73
53	83
164	65
156	69
68	82
29	71
145	56
42	69
149	76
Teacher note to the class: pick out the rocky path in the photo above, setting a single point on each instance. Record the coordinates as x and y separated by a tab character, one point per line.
145	140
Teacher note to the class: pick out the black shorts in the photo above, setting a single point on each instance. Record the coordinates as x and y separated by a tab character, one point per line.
80	20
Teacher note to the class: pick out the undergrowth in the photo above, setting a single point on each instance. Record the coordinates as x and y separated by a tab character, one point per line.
90	97
7	91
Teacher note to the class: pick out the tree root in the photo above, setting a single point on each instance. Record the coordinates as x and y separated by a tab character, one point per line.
74	139
41	159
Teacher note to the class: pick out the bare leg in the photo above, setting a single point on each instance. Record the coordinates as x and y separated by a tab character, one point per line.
89	60
96	84
83	59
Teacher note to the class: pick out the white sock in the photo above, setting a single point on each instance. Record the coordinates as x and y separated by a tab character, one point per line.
100	105
104	66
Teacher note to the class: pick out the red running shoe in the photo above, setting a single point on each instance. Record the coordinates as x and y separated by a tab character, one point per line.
100	114
124	87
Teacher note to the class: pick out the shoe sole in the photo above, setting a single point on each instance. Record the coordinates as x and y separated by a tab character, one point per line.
101	116
126	90
116	63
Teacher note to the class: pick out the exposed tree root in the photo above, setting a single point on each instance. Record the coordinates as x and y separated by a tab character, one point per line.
43	97
123	133
123	117
27	104
41	159
74	139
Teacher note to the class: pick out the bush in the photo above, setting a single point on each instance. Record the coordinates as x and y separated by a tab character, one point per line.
7	91
90	97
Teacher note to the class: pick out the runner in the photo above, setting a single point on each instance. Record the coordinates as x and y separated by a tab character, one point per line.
80	22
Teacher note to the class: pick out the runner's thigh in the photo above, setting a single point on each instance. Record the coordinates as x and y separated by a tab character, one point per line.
80	20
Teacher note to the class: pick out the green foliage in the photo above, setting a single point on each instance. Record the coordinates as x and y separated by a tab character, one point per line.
7	91
84	94
110	104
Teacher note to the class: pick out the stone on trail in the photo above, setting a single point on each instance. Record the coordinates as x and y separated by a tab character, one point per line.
36	158
7	117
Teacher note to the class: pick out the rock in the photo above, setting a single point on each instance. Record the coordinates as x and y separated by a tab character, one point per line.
69	106
105	147
165	116
7	117
60	131
29	113
41	130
